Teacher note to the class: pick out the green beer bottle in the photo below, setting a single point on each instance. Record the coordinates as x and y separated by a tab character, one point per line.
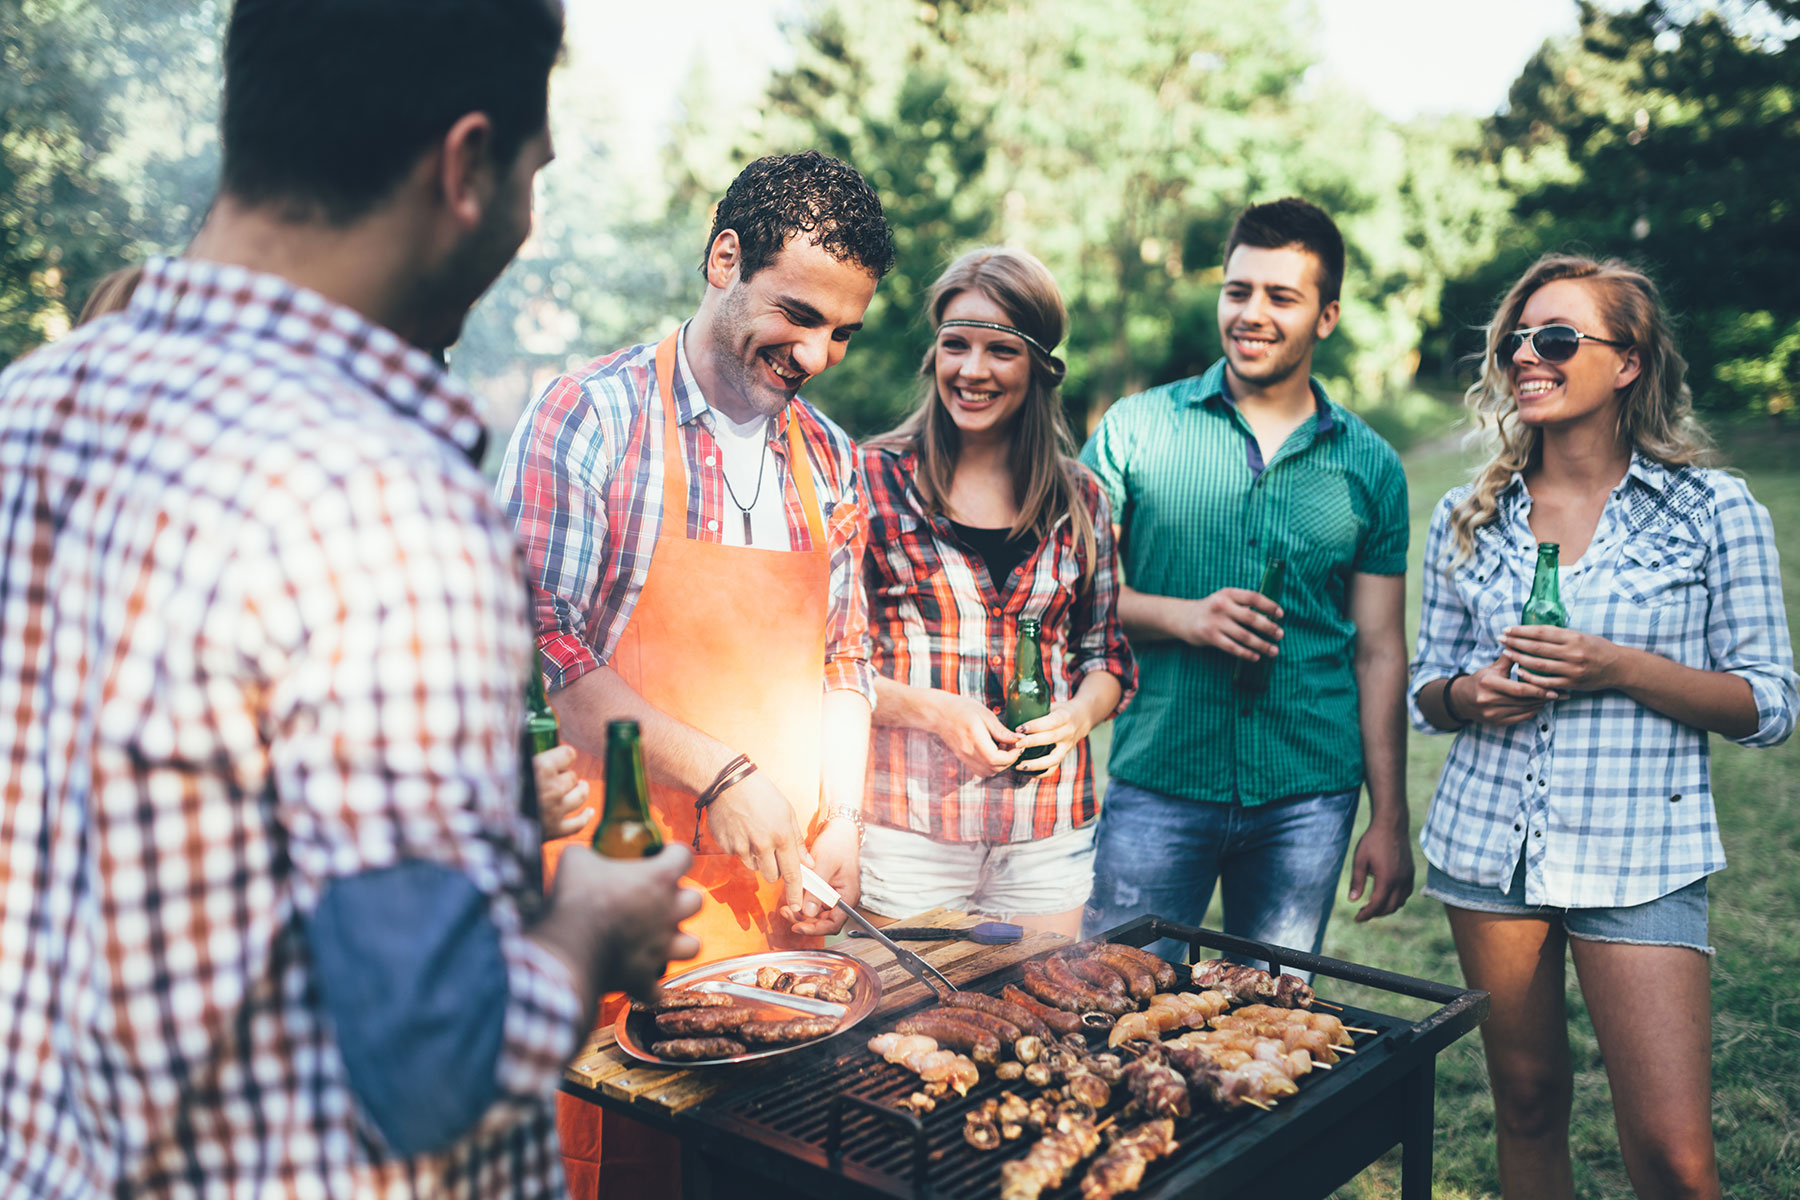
626	830
537	733
1544	606
1251	676
1028	693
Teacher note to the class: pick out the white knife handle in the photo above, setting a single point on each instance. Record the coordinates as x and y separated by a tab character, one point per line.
809	879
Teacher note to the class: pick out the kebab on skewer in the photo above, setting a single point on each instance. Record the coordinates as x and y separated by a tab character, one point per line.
1250	985
1050	1159
1121	1168
1167	1010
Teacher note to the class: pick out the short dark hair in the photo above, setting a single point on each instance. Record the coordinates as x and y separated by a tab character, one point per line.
777	197
1292	221
329	103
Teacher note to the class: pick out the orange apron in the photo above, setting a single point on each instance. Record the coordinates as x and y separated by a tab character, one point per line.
729	640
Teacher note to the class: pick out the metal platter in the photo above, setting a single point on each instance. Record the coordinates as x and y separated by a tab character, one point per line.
637	1031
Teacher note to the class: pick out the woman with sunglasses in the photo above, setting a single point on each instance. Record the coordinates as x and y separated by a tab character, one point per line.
981	519
1575	808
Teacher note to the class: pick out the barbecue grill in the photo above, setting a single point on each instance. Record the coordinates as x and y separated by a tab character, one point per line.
822	1121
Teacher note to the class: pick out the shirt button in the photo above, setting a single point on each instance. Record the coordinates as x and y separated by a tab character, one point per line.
994	611
713	525
1675	797
994	659
1527	777
1517	826
1539	835
1543	729
711	461
1543	783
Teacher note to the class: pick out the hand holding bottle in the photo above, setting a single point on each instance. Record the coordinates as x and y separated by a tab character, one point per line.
974	733
1491	696
1563	660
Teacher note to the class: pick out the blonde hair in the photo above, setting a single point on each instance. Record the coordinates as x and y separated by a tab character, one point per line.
111	294
1041	451
1655	409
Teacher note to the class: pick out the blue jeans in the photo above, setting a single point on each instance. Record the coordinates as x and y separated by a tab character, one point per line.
1278	863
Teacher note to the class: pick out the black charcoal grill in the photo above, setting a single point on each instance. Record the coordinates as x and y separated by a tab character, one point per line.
826	1126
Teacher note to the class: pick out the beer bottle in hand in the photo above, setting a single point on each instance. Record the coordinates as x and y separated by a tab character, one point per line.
537	733
1028	693
1251	676
1544	606
626	830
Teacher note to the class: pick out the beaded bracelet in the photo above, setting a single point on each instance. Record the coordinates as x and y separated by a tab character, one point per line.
734	773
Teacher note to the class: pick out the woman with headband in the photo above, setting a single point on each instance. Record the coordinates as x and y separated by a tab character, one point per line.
981	519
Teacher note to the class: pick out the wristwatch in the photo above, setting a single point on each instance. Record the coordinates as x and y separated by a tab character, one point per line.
852	814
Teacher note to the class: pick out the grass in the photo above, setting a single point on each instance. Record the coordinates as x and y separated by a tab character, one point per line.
1755	927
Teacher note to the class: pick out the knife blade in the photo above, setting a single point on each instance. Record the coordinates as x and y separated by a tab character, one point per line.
914	965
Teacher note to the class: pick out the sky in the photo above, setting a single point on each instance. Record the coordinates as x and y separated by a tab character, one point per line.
1410	57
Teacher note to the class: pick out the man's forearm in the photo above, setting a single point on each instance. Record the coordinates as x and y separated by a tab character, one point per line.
1148	618
844	724
675	753
1381	716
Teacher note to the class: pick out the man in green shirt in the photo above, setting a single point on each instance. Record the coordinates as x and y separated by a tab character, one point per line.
1211	478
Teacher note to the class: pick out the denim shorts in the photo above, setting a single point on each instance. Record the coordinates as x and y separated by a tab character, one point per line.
904	872
1677	919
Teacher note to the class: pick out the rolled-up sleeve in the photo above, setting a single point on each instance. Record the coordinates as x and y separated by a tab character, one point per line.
399	664
847	612
1095	634
1746	625
552	485
1446	627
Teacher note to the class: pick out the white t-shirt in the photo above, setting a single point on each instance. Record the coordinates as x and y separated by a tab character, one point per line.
746	458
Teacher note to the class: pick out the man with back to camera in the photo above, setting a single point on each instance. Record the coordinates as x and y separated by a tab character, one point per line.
269	914
1213	476
715	595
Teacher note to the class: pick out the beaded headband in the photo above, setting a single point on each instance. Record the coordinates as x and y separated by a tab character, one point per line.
1014	330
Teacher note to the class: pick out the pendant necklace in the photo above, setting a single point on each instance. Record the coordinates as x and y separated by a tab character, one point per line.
762	463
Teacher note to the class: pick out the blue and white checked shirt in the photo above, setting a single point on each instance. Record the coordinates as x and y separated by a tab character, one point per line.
1611	801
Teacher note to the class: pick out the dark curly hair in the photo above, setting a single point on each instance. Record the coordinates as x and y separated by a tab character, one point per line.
783	195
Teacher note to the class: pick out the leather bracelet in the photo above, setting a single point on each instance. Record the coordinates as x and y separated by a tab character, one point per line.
1449	706
854	816
733	773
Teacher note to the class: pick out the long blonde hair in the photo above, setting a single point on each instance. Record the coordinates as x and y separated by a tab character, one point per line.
1655	410
1041	450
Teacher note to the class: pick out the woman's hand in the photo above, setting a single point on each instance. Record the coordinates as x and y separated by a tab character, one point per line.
978	738
1060	729
561	796
1564	660
1491	696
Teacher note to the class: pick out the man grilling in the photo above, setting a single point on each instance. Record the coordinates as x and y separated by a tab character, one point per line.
694	532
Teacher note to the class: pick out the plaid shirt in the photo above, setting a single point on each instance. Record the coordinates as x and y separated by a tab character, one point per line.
939	622
583	480
1611	801
260	629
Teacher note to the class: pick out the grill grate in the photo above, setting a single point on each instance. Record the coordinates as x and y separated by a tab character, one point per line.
878	1147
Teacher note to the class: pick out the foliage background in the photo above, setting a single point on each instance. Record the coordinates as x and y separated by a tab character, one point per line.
1115	139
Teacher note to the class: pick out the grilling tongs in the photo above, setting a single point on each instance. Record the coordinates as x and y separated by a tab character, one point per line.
930	975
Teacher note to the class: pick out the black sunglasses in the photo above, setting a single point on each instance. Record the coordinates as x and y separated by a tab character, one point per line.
1551	343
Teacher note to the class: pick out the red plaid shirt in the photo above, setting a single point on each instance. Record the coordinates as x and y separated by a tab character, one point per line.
260	629
937	621
583	480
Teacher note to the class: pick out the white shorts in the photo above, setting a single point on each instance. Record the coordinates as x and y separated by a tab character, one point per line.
905	873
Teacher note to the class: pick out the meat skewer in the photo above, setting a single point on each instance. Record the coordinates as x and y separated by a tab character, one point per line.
1249	985
1121	1168
1050	1159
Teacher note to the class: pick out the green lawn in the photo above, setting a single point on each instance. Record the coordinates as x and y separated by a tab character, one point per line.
1755	906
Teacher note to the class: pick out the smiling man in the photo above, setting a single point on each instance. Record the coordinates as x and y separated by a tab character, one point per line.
695	532
1218	776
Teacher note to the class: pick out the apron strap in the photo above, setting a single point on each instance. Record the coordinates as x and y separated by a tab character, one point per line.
675	492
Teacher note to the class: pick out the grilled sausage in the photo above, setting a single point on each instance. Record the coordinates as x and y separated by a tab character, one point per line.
699	1022
1095	973
1090	998
1163	972
1006	1010
1035	978
794	1029
688	1049
1139	982
1000	1027
672	1000
972	1040
1059	1020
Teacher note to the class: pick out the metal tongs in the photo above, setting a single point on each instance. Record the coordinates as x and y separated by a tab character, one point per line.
918	967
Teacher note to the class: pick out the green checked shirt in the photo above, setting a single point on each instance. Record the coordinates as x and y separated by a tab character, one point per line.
1200	511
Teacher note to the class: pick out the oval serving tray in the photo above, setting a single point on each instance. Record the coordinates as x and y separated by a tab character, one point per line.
636	1031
